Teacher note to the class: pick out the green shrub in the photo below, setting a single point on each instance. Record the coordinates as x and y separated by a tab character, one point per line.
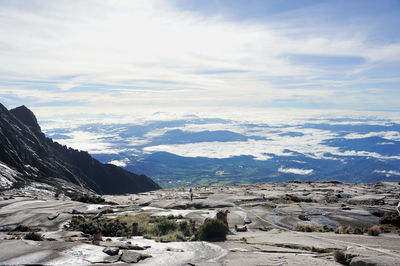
155	227
34	236
184	228
392	218
164	226
213	230
173	237
108	227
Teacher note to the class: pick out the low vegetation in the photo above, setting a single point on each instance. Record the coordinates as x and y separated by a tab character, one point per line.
161	228
374	231
213	230
311	228
344	230
23	228
390	218
34	236
340	257
86	198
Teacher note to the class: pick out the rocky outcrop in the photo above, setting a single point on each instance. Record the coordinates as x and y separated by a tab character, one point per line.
264	234
34	157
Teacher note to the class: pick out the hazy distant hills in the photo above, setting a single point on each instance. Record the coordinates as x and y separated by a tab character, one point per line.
27	155
201	150
172	170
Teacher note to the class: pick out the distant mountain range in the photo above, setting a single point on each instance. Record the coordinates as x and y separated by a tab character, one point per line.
27	155
200	150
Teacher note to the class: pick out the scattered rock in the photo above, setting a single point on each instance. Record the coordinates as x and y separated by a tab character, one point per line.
264	228
247	221
373	260
174	249
112	251
112	259
52	217
303	217
240	228
133	257
75	212
132	247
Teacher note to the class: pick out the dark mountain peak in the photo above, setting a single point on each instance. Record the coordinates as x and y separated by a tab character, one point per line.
34	158
27	117
3	108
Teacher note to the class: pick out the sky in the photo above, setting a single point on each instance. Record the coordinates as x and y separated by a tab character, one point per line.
117	57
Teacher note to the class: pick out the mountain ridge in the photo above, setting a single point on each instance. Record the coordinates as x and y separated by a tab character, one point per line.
34	157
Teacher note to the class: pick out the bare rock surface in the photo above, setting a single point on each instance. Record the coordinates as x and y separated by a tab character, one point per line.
287	223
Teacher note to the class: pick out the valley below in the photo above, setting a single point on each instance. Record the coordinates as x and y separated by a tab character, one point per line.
293	223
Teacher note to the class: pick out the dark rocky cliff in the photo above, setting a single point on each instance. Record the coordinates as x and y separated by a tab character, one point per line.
25	149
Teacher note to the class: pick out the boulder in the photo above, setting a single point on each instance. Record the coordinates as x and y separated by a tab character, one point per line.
240	228
111	251
303	217
132	247
133	257
247	221
52	217
75	212
111	259
374	260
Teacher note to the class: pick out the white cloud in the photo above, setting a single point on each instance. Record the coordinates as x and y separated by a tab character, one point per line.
390	135
295	171
388	173
143	52
121	163
90	142
310	144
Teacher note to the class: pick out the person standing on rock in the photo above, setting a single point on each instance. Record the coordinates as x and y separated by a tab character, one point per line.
191	194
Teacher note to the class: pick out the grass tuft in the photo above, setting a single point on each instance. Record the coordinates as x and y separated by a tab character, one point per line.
23	228
340	257
374	231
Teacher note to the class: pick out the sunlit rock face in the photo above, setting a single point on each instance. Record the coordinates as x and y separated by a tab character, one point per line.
297	223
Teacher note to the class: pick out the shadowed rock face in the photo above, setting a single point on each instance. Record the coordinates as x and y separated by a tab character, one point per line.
27	117
25	149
